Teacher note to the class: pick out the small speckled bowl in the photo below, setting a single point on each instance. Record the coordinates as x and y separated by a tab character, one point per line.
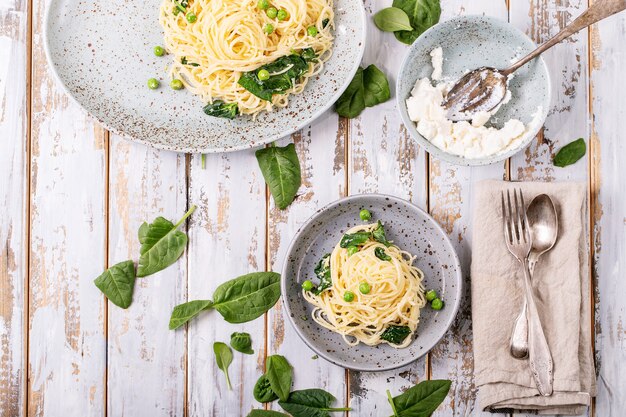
470	42
408	227
102	53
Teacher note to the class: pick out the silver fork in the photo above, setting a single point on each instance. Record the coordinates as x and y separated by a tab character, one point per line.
518	241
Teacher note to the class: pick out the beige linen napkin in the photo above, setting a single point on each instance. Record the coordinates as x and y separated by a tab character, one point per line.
561	287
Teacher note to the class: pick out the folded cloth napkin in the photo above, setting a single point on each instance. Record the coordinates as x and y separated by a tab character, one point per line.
561	288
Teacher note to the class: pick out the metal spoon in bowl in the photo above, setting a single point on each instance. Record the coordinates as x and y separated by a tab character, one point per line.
544	228
484	88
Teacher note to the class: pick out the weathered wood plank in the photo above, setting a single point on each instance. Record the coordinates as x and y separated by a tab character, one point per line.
608	152
227	239
321	149
67	356
14	200
146	361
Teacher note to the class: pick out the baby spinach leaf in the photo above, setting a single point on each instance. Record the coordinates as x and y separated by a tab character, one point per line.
379	235
421	400
570	153
247	297
242	342
279	375
118	283
368	88
266	413
376	86
263	391
221	109
182	313
392	19
281	169
223	357
310	403
354	239
422	15
161	244
381	254
395	334
322	270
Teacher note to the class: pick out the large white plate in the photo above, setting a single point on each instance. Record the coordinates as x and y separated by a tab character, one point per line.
101	52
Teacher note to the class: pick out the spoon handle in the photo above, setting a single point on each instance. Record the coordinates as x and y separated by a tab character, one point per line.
519	336
599	10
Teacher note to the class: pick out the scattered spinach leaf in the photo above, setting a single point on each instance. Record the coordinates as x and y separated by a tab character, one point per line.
368	88
420	400
263	391
242	342
379	235
322	270
279	375
182	313
161	244
422	15
570	153
395	334
381	254
310	403
281	169
221	109
392	19
376	86
354	239
118	283
266	413
223	357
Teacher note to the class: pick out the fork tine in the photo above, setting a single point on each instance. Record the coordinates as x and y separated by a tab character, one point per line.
512	221
524	218
505	219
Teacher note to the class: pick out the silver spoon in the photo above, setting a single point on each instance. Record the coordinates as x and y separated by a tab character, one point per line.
484	88
544	228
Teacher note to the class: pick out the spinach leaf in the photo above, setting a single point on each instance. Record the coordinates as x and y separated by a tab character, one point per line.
223	357
325	23
241	342
118	283
381	254
420	400
395	334
184	61
379	235
310	403
279	375
266	413
322	270
263	391
161	244
354	239
247	297
422	15
368	88
221	109
376	86
570	153
392	19
308	54
182	313
281	169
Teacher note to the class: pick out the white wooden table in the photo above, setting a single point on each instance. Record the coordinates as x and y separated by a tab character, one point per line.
72	197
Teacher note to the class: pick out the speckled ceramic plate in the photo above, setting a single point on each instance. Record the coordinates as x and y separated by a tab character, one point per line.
101	51
408	227
471	42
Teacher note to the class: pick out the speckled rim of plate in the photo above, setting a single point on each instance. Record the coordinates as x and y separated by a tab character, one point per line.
191	149
428	145
437	227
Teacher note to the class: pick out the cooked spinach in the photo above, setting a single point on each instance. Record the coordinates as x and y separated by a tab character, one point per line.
281	169
322	271
182	6
263	391
223	357
392	19
184	61
325	23
266	413
355	239
570	153
422	15
310	403
279	374
118	283
381	254
379	235
221	109
421	400
395	334
368	88
161	244
309	55
242	342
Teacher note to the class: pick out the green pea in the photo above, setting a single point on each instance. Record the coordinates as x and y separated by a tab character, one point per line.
263	4
282	15
436	304
312	31
431	295
348	296
271	12
352	250
159	51
263	75
268	28
364	214
153	83
191	17
307	285
365	288
176	84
